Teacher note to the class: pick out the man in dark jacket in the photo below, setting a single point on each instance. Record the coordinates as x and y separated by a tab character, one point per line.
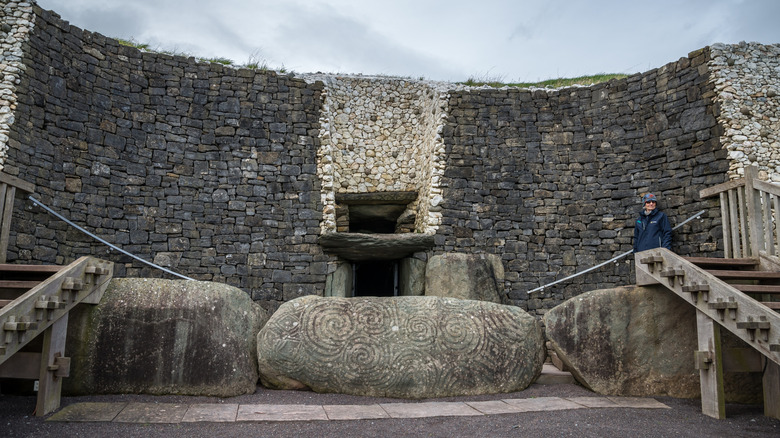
652	229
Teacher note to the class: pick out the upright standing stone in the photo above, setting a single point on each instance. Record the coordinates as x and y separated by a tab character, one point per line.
465	276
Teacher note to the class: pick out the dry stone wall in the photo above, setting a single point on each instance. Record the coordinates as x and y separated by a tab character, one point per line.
747	82
207	170
379	135
16	20
551	180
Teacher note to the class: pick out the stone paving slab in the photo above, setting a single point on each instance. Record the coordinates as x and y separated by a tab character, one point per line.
355	412
593	402
124	412
211	412
492	407
553	376
543	404
638	402
152	413
429	409
281	413
88	411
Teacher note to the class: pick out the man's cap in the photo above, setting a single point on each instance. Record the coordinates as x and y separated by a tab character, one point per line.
648	197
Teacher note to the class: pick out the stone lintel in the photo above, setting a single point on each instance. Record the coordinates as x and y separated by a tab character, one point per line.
376	198
364	247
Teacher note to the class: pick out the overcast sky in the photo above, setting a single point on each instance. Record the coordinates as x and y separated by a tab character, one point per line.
450	40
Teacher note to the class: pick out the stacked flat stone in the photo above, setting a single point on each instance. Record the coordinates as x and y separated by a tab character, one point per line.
747	84
16	20
204	169
550	180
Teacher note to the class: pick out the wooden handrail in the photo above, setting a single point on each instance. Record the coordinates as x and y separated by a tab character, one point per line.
721	188
16	182
766	187
750	214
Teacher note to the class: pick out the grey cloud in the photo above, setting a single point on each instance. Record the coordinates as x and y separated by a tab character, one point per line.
125	21
329	38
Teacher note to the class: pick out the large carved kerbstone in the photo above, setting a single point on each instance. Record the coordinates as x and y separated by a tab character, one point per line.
166	337
635	341
408	347
465	276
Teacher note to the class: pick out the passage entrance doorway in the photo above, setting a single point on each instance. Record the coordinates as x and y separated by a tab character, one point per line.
375	278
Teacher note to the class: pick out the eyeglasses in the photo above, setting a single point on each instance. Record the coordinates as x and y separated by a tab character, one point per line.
650	202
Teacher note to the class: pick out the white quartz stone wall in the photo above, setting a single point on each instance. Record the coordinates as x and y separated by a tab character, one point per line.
747	83
16	22
382	134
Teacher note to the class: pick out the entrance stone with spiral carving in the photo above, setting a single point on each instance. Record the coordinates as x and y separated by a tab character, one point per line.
408	347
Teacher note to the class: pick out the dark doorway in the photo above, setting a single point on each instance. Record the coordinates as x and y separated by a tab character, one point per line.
374	218
376	279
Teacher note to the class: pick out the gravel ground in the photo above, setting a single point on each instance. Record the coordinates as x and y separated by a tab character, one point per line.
684	419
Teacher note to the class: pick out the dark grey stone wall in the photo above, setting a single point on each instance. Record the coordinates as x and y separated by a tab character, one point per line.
204	169
211	171
551	180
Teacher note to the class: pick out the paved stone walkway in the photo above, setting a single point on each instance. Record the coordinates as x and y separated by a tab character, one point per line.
129	412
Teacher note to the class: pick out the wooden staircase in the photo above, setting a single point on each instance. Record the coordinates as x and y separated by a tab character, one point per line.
745	275
35	300
730	293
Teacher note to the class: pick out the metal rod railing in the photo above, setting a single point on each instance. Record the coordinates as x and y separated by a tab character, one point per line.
613	259
64	219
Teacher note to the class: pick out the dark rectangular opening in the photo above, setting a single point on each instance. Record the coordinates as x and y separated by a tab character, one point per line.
375	212
375	279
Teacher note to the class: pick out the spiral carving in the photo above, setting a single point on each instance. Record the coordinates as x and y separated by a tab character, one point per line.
364	362
327	327
373	316
461	333
420	329
412	347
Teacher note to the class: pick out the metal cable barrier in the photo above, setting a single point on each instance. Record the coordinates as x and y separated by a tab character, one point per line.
613	259
64	219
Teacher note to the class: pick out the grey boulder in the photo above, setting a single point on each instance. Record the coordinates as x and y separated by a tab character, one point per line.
158	336
407	347
636	341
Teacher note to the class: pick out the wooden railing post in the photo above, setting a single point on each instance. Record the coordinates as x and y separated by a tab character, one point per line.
754	213
728	247
8	186
709	362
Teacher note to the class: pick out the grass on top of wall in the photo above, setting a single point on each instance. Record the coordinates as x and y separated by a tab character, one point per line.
550	83
255	62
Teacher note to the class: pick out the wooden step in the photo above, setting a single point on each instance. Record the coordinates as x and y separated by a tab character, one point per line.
51	269
774	305
756	288
4	303
18	284
715	262
27	272
744	275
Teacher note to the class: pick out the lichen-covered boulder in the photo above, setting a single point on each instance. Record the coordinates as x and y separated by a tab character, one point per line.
635	341
465	276
159	336
407	347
